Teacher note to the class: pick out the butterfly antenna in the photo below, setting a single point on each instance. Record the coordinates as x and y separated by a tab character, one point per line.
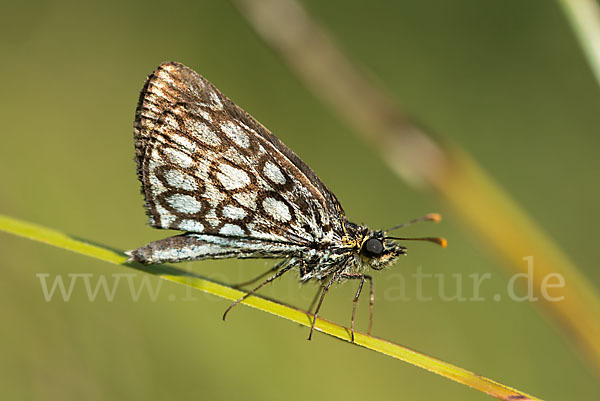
437	240
436	218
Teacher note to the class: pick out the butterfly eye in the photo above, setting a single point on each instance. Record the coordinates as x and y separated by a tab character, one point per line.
372	248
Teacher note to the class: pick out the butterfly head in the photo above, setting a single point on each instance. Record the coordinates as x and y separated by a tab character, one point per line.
380	250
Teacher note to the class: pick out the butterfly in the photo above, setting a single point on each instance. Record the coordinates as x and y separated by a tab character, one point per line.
211	170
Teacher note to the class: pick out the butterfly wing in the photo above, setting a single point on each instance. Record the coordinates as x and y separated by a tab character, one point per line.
207	166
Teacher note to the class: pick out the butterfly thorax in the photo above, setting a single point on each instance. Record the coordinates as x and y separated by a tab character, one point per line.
359	250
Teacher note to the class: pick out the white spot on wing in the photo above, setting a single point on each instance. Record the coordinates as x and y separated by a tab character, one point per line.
184	203
156	186
206	115
177	179
267	236
172	122
202	166
183	141
232	178
277	209
216	101
235	133
274	173
212	218
191	225
166	218
246	199
151	113
159	84
233	212
157	91
212	194
179	158
164	75
204	133
231	229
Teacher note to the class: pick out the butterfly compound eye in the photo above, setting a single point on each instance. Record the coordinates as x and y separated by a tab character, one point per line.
372	248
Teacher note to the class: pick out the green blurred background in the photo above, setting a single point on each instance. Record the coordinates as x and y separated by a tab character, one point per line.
506	80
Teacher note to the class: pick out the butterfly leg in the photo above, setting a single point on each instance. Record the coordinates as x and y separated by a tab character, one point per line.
314	300
325	289
255	279
362	278
286	267
371	302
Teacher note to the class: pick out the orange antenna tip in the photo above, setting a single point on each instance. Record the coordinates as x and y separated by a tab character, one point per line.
443	242
435	217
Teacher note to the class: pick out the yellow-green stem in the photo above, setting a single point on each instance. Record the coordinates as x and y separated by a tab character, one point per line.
64	241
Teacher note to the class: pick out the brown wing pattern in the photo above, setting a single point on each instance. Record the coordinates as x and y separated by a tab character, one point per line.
207	166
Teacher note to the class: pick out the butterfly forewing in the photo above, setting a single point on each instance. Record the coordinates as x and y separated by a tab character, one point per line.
207	166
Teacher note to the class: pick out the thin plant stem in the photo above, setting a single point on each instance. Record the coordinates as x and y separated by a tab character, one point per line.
173	274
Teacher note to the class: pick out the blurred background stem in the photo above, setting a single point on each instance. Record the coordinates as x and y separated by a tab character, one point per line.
584	16
433	165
